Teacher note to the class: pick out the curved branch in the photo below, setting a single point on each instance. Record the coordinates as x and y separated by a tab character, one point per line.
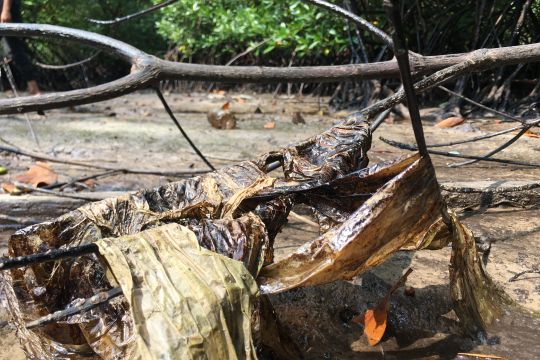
362	23
69	66
133	16
147	69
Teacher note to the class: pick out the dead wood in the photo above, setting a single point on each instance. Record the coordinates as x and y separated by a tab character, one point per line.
147	70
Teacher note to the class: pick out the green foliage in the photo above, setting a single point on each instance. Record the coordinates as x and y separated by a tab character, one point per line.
224	28
140	33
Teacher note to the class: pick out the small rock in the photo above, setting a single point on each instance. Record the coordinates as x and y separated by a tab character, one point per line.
297	118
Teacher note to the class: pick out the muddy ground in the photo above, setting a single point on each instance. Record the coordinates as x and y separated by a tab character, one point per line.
135	132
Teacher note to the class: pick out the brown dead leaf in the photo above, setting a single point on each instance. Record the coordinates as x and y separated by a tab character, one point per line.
530	134
11	189
226	106
39	174
374	320
270	125
375	323
450	122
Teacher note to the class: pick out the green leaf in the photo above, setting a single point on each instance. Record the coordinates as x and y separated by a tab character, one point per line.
3	170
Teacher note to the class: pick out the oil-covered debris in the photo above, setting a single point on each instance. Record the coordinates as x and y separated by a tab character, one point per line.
365	215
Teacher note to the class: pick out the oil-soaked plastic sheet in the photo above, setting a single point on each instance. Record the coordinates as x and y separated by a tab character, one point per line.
186	302
399	213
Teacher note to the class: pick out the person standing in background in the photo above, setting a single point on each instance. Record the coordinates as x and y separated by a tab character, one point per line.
11	12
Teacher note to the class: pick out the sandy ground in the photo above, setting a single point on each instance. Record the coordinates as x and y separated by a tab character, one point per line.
135	132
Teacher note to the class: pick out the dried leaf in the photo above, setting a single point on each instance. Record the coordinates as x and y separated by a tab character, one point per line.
270	125
226	106
450	122
11	189
375	323
530	134
469	356
38	174
375	320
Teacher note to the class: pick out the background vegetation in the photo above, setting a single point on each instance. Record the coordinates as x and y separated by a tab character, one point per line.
290	32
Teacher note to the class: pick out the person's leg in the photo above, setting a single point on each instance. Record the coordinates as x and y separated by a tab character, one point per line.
19	53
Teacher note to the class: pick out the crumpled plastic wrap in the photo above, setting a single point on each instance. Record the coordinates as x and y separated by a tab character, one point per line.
186	302
365	214
400	212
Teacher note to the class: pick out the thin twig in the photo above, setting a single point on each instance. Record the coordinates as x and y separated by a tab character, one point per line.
498	149
55	193
379	119
11	81
133	16
68	66
503	114
82	179
44	157
184	134
518	275
411	147
483	137
47	256
88	304
364	24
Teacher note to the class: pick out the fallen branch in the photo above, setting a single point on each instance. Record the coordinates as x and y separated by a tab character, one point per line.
88	304
498	149
147	69
411	147
483	137
44	157
51	255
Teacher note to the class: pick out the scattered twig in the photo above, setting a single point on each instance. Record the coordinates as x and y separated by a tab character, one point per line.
47	256
498	149
362	23
487	136
469	190
411	147
44	157
11	81
184	134
487	108
88	304
518	275
82	179
133	16
55	193
68	66
379	119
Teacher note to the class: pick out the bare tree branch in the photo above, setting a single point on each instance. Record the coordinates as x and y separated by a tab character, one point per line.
133	16
147	69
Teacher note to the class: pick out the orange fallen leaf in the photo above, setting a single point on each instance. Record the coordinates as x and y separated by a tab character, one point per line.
39	174
471	356
270	125
530	134
375	323
10	189
225	106
450	122
374	320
